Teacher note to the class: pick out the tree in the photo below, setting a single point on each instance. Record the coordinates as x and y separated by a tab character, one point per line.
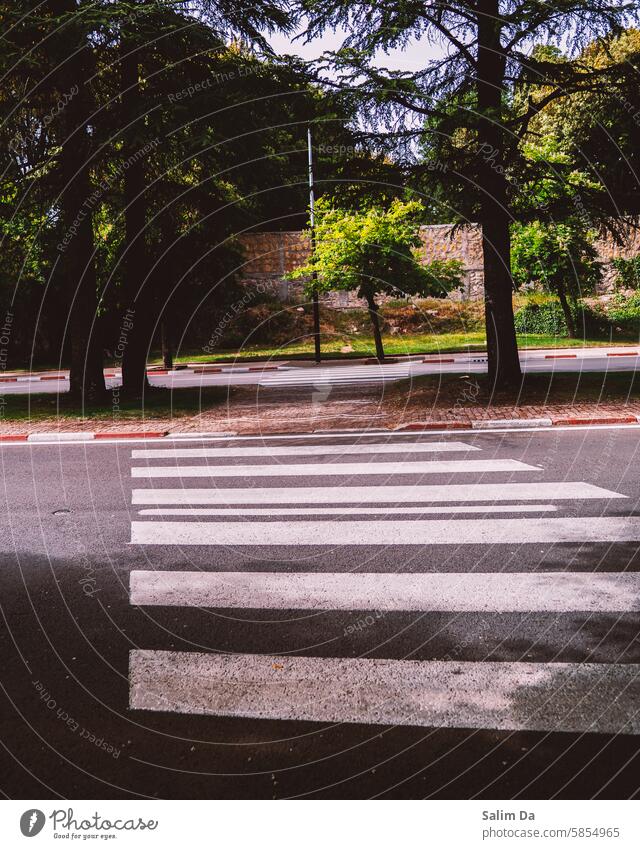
158	184
468	91
140	46
49	70
558	257
598	129
375	253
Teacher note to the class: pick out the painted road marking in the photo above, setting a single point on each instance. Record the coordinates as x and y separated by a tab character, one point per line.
301	450
346	511
490	592
485	492
410	532
567	697
347	469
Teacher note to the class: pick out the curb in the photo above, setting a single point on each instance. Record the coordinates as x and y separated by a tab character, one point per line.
431	426
141	434
86	435
410	427
508	423
599	421
153	371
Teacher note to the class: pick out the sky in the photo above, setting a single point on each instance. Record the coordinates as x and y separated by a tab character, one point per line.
414	58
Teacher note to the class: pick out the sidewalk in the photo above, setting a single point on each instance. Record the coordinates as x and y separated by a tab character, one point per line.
247	412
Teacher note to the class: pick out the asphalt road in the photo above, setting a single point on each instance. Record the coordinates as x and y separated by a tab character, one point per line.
441	615
342	373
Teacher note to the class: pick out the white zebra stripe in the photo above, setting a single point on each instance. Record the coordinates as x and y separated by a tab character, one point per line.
438	510
482	492
489	592
567	697
410	532
301	450
305	469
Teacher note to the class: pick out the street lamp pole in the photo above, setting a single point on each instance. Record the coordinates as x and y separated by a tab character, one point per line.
314	275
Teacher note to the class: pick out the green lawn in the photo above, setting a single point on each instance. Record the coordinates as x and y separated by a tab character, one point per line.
394	346
363	346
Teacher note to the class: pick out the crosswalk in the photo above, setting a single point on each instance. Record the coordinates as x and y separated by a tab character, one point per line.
433	494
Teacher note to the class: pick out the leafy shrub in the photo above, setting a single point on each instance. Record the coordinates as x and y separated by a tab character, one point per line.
546	317
555	256
625	312
628	273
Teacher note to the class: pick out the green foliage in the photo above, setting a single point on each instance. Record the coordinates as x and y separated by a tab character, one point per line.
625	312
556	257
375	251
545	316
628	272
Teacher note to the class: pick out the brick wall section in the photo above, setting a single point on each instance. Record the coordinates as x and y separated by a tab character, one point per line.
269	256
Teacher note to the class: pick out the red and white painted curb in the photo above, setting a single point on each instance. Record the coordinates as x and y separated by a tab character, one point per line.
151	372
81	436
410	427
507	424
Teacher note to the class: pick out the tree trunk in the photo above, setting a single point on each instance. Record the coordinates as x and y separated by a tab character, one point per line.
502	348
77	245
568	315
375	323
167	348
135	266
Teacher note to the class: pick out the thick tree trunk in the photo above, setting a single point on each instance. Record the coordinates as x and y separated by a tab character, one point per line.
502	348
375	324
167	347
135	265
77	245
568	315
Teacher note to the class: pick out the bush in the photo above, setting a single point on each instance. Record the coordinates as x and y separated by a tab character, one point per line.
545	317
555	256
625	312
628	273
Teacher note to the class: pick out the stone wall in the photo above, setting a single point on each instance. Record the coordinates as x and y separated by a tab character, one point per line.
441	241
608	250
269	256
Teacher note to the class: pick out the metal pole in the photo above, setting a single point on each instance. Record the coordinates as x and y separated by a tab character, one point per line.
314	276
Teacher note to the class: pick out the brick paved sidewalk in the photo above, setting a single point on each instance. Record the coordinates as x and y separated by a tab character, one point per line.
286	411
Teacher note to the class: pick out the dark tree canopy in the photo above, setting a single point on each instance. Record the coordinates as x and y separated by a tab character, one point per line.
462	107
